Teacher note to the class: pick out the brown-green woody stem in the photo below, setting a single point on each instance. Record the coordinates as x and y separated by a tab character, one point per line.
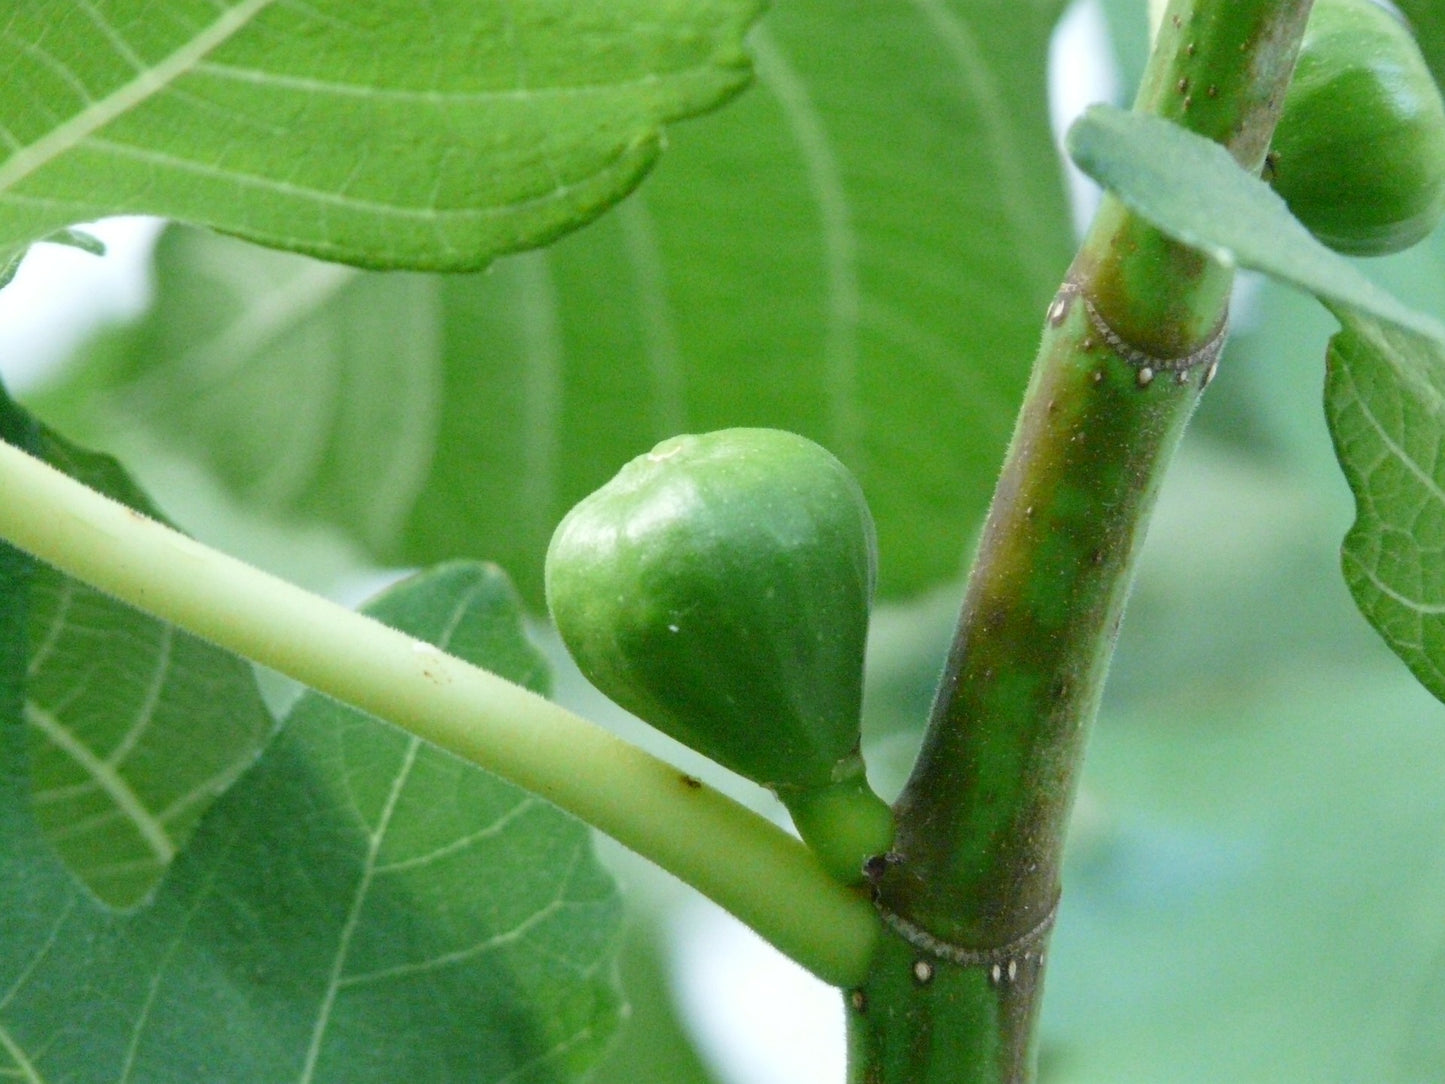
1130	341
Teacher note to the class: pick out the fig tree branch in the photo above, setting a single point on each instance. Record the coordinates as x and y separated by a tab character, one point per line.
1130	341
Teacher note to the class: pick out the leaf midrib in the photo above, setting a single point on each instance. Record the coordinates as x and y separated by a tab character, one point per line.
147	83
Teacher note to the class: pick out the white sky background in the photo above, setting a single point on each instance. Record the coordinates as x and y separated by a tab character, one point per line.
759	1018
61	295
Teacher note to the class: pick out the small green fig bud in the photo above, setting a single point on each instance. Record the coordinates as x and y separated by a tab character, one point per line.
719	588
1359	152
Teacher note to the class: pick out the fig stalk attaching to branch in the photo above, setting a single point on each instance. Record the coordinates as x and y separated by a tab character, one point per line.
735	857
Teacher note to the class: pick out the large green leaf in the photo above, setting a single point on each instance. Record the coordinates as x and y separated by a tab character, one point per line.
859	249
358	907
1385	398
383	132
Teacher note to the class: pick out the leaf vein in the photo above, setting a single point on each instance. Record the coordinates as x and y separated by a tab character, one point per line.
543	355
418	213
25	1068
127	802
659	334
117	41
421	967
840	238
41	652
148	82
1427	482
1424	609
435	97
984	98
523	1071
496	827
150	700
353	918
50	940
203	791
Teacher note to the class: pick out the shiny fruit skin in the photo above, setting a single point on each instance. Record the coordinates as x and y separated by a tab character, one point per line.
1359	153
719	588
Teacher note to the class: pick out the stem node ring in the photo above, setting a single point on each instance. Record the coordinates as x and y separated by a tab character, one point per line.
1002	960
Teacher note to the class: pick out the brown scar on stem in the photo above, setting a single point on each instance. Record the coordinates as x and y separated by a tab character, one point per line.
1146	366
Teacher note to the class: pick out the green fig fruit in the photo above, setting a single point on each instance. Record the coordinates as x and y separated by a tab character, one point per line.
1359	152
719	588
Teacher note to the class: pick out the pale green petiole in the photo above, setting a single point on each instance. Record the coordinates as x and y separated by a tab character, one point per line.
738	859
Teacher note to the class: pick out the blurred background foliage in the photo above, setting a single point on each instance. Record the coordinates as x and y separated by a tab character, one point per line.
1256	884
